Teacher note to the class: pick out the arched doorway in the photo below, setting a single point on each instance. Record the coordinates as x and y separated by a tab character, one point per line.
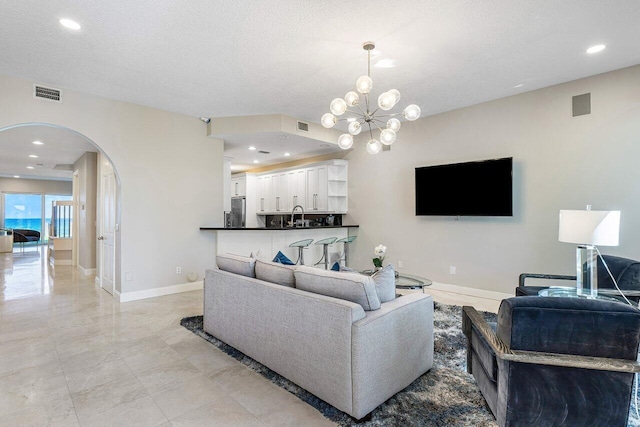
46	151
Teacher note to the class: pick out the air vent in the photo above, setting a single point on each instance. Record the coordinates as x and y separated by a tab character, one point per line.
581	105
264	152
47	93
303	127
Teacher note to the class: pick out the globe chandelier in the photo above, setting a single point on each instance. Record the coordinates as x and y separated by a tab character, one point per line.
365	115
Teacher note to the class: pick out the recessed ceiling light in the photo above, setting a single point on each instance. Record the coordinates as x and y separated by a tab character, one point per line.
70	24
33	156
255	161
16	176
30	167
597	48
386	63
252	148
518	85
38	143
287	154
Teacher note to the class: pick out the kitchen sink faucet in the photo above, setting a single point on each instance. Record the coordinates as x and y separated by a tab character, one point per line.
293	224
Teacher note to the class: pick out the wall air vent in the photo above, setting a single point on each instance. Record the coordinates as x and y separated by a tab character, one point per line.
47	93
581	105
303	127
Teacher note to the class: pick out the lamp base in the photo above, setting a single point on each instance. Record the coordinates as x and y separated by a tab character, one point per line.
587	271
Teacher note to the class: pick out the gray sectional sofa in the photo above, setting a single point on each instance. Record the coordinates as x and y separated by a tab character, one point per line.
351	358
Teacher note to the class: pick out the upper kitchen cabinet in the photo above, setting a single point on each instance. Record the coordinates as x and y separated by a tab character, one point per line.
318	188
238	185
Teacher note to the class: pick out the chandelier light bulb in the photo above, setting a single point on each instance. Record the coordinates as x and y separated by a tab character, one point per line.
345	141
352	99
412	112
374	146
387	136
386	101
355	128
364	84
396	93
393	124
328	120
338	106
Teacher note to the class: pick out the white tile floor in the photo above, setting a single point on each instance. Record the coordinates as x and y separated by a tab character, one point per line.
71	355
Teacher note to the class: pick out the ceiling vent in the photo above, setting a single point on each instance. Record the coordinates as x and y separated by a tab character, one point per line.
303	127
264	152
47	93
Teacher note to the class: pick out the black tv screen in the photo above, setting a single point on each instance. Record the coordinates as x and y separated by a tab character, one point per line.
481	188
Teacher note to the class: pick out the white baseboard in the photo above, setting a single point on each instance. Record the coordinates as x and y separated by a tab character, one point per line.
85	271
463	290
97	281
158	292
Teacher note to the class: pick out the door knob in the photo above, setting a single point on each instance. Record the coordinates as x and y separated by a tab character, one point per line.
101	238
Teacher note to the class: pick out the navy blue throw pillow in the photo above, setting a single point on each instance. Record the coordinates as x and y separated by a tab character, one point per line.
335	266
282	259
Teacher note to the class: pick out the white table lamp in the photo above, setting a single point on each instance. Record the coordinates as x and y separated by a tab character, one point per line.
588	229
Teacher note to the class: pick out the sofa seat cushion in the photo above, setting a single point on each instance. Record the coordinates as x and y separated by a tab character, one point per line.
237	264
356	288
276	272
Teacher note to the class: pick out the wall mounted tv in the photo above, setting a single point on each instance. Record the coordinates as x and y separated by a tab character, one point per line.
481	188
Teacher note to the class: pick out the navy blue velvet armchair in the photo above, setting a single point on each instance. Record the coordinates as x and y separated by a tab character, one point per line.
555	361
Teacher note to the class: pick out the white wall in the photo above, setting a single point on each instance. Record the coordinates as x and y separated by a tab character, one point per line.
86	168
560	162
170	176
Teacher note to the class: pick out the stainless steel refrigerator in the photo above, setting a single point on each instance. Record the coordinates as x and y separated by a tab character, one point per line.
238	212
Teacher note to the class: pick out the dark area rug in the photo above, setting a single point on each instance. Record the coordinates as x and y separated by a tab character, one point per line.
445	396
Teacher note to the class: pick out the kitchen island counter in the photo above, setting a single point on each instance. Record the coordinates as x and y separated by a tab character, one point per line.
322	227
269	241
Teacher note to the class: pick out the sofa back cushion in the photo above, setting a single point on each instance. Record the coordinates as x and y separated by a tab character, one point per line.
237	264
356	288
276	272
385	282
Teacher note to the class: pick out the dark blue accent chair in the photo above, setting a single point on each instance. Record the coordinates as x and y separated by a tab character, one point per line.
555	361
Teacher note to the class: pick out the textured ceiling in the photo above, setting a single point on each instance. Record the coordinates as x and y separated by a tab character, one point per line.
234	58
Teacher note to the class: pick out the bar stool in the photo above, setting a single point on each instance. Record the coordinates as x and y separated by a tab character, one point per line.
301	244
325	250
346	240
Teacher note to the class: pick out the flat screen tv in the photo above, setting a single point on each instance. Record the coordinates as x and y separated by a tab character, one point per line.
481	188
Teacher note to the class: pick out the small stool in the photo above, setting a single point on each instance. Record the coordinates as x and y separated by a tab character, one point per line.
301	245
346	240
325	250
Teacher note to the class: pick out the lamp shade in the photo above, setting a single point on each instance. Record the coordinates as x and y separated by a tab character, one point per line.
599	228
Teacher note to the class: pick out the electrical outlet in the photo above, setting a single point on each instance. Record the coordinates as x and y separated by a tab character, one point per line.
400	265
178	270
452	269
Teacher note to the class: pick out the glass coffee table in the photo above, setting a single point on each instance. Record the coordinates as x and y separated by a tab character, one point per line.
407	281
572	292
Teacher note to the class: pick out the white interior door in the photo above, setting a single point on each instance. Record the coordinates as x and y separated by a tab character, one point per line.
107	230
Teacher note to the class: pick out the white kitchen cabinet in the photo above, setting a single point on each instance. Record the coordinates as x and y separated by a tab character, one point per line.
280	192
238	186
317	189
262	204
297	191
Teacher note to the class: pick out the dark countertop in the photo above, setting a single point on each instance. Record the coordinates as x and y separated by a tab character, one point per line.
278	228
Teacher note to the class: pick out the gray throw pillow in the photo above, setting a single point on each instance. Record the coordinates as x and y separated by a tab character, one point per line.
237	264
356	288
276	272
385	281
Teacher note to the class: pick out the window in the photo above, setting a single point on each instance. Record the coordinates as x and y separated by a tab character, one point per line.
33	212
